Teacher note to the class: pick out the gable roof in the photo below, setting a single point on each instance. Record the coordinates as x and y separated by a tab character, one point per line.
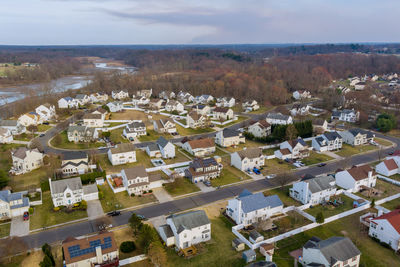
250	153
21	152
201	143
221	109
134	172
392	217
332	135
360	172
294	142
229	133
356	131
59	186
194	115
71	155
277	116
320	183
122	148
390	164
262	124
251	202
189	220
162	142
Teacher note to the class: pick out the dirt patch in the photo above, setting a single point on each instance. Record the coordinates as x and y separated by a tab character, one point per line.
33	260
215	210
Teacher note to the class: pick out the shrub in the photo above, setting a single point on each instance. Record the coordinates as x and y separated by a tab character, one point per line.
83	205
91	177
45	186
31	210
133	194
320	218
150	191
127	247
56	208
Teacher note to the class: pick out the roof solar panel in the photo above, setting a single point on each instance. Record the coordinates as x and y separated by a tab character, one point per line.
76	251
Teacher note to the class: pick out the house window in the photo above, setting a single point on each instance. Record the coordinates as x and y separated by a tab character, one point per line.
354	259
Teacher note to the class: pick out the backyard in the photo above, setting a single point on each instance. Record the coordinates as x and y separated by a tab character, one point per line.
180	186
117	137
179	157
45	216
152	136
121	200
283	194
386	188
315	158
391	205
348	150
5	229
33	178
189	131
64	143
330	210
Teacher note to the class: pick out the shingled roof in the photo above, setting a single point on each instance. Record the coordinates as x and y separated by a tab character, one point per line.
250	153
201	143
189	220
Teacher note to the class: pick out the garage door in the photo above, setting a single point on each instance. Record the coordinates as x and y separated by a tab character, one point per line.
18	212
91	196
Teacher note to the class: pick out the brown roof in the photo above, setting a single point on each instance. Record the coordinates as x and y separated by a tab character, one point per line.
84	243
201	143
285	151
391	164
221	109
392	217
156	176
134	172
263	124
21	152
250	153
102	110
360	172
267	246
92	116
194	115
122	148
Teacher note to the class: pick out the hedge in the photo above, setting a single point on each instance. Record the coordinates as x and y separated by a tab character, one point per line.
127	246
88	178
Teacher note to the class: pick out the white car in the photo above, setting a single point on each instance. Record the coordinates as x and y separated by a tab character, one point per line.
270	176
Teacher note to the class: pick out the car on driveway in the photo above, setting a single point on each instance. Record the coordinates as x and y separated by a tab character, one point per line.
26	216
322	164
42	135
256	171
114	213
207	183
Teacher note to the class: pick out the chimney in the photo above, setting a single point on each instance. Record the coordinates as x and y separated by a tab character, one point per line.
380	212
369	174
99	255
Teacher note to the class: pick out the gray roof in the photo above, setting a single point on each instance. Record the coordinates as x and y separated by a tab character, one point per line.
167	230
162	142
136	124
59	186
335	248
8	123
122	148
277	116
68	98
80	96
189	220
134	172
356	131
76	164
320	141
249	253
7	196
81	129
254	234
250	153
21	152
89	189
72	155
153	147
252	202
320	183
229	133
332	135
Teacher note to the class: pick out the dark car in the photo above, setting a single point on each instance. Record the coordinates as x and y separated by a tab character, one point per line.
41	135
46	123
391	153
322	164
141	217
114	213
26	216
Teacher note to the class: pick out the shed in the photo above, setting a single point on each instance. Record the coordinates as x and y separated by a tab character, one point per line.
100	181
167	235
359	202
255	236
249	255
238	244
267	249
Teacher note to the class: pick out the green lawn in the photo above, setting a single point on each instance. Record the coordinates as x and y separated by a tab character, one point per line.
392	204
44	127
315	158
274	166
116	136
180	186
179	157
283	194
122	200
44	215
5	229
141	159
24	137
382	142
270	151
248	144
330	210
220	152
348	150
227	177
261	110
372	253
64	143
189	131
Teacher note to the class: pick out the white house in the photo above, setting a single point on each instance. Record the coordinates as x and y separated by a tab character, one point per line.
301	94
75	163
298	148
115	106
25	160
348	115
386	228
227	102
354	80
46	111
204	99
6	136
67	192
134	129
185	97
166	95
356	178
31	118
164	126
102	112
188	229
98	97
247	159
300	110
82	99
195	120
12	204
315	190
145	93
81	134
140	100
122	154
278	118
328	141
221	113
153	151
156	103
250	105
249	208
119	95
203	170
167	149
228	137
68	102
135	180
202	109
334	251
93	120
173	105
200	147
260	129
320	125
356	136
359	86
13	125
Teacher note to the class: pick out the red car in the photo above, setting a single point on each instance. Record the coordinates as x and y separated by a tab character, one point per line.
26	216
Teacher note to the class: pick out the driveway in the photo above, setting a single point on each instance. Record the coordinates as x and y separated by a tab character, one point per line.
94	209
205	188
19	227
162	195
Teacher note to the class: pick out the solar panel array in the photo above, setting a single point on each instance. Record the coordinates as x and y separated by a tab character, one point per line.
76	251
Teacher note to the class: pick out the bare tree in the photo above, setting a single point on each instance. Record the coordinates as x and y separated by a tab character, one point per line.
284	178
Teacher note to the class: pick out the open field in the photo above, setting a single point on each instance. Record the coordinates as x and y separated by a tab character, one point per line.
330	210
348	150
7	67
283	194
180	186
5	229
141	159
65	144
315	158
228	177
121	200
248	144
372	253
44	216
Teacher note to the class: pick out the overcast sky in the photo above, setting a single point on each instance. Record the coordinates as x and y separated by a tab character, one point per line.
57	22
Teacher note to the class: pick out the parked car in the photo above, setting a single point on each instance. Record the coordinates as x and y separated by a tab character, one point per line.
270	176
46	123
249	171
114	213
26	216
322	164
143	218
256	171
207	183
42	135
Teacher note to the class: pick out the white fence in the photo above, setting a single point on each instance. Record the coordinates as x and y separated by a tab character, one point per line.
170	166
115	190
388	180
390	198
181	124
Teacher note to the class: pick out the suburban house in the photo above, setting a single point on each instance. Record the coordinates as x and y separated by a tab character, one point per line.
134	129
359	86
122	154
153	151
137	181
249	208
389	166
320	125
227	102
328	141
115	106
297	147
12	204
164	126
228	137
278	118
140	100
185	97
31	118
260	129
354	80
77	133
25	160
187	229
195	120
301	94
300	110
82	99
98	97
222	113
349	115
173	105
101	111
96	250
6	136
356	178
203	169
204	99
314	190
68	102
119	95
356	136
386	228
156	103
67	192
248	159
46	111
147	93
334	251
200	147
250	105
202	109
167	149
93	120
73	163
13	125
166	95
